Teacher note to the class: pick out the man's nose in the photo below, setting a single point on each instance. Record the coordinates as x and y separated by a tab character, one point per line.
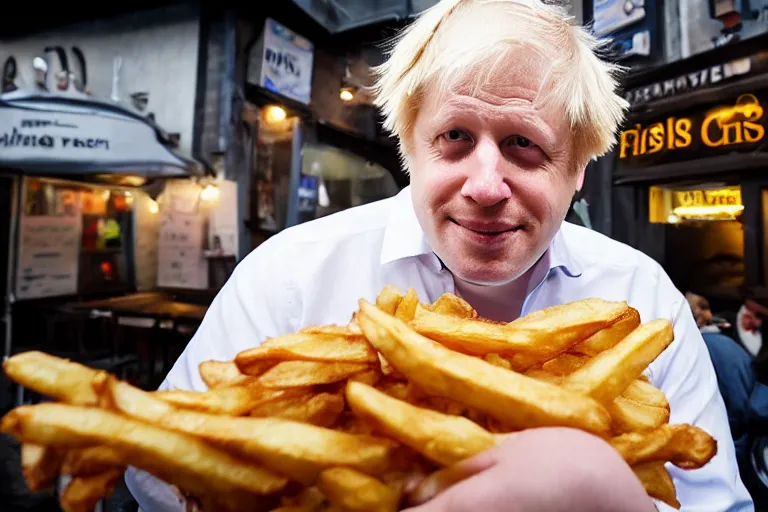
485	182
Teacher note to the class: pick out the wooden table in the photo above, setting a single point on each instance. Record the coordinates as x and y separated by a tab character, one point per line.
158	311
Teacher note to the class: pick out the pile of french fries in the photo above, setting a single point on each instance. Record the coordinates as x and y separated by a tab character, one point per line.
339	417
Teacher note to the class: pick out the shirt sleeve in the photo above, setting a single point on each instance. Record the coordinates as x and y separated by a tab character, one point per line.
684	372
256	303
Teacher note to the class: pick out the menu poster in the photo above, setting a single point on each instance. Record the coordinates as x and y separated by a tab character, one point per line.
180	252
48	256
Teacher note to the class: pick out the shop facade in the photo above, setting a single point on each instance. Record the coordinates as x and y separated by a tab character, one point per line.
689	174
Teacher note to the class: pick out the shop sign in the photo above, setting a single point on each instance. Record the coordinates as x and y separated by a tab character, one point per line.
739	126
699	198
700	79
286	62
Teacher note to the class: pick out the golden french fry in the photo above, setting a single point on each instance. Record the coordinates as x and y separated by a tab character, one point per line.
231	401
685	446
291	374
540	335
497	360
295	449
442	438
643	392
450	304
389	299
91	461
657	482
354	491
626	415
346	348
514	399
220	374
175	458
610	372
370	377
53	377
84	492
333	330
40	465
630	416
610	336
322	410
564	364
406	310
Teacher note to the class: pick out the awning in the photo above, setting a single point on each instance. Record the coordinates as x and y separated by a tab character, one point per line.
81	138
339	16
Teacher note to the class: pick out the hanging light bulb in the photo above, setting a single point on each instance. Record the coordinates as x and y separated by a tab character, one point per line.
153	207
210	193
346	94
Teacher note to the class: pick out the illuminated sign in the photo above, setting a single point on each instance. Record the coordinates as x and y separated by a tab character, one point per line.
727	127
720	197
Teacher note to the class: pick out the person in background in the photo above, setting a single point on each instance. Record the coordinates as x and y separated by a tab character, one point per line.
746	399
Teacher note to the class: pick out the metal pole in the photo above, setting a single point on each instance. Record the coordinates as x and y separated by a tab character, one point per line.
292	218
16	202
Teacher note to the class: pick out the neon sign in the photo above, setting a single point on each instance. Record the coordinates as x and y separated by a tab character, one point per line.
722	126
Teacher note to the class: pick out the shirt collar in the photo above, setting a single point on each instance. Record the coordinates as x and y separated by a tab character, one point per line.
404	238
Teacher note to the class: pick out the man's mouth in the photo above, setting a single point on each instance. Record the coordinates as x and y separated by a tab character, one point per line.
487	228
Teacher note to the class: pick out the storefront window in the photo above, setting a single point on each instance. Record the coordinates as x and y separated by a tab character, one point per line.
272	168
334	180
704	236
73	239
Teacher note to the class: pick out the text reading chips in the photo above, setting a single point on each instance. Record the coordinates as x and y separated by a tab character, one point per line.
337	418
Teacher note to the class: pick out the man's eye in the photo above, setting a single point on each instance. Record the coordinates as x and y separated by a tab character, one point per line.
456	135
520	142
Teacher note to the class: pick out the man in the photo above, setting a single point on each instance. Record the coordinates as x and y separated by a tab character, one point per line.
498	107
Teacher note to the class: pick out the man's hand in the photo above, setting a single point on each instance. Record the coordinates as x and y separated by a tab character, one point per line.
552	469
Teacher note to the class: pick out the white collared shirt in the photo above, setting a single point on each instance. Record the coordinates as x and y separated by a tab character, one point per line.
316	272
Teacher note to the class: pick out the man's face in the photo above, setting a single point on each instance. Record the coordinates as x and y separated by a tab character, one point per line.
491	172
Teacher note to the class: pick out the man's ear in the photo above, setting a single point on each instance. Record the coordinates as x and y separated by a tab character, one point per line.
581	172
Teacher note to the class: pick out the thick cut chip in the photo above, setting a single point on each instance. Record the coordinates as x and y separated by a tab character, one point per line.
406	310
347	348
354	491
610	372
685	446
629	416
298	450
175	458
91	461
292	374
389	299
564	364
540	335
626	415
443	438
84	492
40	465
231	401
646	393
514	399
53	377
657	482
220	374
450	304
323	409
610	336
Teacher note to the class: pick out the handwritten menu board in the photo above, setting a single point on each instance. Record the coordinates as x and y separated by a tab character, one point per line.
180	251
48	255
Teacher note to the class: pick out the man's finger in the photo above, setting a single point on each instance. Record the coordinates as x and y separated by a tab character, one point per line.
440	480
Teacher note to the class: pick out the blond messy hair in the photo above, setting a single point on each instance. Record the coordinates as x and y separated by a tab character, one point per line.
460	41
